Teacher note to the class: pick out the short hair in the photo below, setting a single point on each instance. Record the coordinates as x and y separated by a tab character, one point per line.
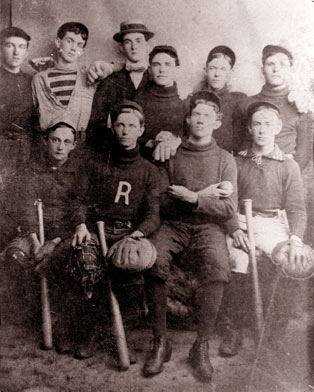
61	124
128	107
14	32
73	27
205	97
170	50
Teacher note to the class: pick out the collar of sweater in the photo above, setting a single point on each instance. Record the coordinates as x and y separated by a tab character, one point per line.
7	73
63	68
220	92
187	145
269	91
163	92
122	156
276	154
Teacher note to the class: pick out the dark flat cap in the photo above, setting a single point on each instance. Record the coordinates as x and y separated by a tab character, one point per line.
14	32
165	49
224	50
128	104
204	95
270	50
259	105
132	26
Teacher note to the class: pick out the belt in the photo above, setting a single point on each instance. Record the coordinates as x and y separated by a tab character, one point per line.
265	213
120	224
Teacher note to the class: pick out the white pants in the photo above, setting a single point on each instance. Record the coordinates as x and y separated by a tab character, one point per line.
268	231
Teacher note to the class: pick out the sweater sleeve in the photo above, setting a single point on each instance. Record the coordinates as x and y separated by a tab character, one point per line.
294	199
150	206
227	206
304	147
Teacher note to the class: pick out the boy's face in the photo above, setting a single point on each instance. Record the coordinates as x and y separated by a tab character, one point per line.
218	72
265	125
127	129
135	47
276	70
13	53
163	68
60	143
202	122
71	47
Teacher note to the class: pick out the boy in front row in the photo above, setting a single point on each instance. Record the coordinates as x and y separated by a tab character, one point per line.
194	210
273	182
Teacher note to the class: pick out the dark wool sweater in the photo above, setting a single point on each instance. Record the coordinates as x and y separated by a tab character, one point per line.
197	167
163	109
272	182
296	136
231	102
16	103
62	192
125	188
109	93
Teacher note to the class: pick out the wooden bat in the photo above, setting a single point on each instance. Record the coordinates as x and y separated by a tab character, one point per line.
256	288
45	304
117	323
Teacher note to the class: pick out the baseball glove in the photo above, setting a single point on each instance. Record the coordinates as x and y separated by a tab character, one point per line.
297	269
133	254
85	265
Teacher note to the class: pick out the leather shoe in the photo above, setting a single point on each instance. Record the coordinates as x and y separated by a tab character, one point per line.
231	343
160	353
199	360
85	350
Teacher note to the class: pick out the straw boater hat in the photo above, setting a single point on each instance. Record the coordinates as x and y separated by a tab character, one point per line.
132	26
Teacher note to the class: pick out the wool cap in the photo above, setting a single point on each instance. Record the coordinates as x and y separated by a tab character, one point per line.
62	124
132	26
126	104
165	49
204	95
270	50
224	50
259	105
14	32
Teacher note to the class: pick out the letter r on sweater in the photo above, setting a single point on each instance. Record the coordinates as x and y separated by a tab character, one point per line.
124	188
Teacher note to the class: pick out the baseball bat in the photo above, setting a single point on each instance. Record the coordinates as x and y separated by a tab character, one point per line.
117	323
45	304
252	257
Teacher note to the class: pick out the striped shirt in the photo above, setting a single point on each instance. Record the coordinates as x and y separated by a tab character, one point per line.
62	84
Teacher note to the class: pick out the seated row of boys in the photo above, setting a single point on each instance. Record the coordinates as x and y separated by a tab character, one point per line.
123	190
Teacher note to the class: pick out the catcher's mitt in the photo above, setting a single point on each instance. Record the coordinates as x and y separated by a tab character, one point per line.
85	265
133	254
303	269
18	251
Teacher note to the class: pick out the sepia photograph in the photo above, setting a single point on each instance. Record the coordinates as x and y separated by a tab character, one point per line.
156	196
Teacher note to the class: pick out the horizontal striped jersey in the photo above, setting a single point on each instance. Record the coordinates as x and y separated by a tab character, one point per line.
62	84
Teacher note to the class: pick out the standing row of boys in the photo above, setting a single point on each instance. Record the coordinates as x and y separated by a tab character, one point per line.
120	124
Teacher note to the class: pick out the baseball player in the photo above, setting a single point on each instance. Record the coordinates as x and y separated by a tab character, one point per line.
193	211
125	195
273	182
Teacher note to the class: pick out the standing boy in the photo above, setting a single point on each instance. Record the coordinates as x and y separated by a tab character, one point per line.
133	38
61	92
163	108
16	118
273	182
194	210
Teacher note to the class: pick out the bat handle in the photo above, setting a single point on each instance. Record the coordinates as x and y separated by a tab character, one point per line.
102	238
249	222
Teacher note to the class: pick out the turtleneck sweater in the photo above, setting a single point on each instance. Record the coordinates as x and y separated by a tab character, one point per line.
197	167
16	104
163	109
296	137
125	187
230	102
